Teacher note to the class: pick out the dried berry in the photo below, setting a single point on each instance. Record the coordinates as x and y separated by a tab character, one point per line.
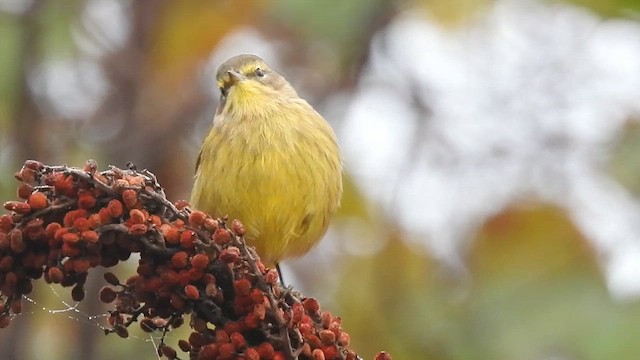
111	278
168	351
237	227
184	345
107	294
55	274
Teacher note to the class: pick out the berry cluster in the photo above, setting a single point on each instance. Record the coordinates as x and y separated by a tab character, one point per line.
72	220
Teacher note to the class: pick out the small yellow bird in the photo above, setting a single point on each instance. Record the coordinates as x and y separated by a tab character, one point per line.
270	160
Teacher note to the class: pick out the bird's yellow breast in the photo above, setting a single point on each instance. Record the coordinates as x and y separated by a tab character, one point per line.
275	165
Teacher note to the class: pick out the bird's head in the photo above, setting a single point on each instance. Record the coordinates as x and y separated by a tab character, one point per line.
245	77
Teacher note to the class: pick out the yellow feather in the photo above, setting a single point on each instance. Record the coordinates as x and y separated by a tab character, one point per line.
271	161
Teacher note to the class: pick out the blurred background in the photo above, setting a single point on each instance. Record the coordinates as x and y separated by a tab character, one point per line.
492	154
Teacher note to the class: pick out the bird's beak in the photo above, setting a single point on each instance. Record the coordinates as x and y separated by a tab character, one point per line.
234	77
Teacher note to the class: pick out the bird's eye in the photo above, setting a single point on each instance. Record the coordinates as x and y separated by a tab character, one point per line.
259	72
223	92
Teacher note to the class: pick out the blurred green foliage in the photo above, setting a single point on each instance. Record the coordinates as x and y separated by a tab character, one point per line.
625	164
610	8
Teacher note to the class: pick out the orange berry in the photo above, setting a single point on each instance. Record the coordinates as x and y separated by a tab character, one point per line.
327	337
297	311
81	224
68	249
170	234
242	287
191	292
187	238
86	199
155	220
222	337
326	319
181	204
251	354
238	341
130	198
226	352
70	238
311	305
115	208
221	236
179	260
344	339
94	221
197	218
138	229
272	277
38	200
137	216
200	261
105	215
257	296
17	207
318	354
170	278
230	254
71	216
266	351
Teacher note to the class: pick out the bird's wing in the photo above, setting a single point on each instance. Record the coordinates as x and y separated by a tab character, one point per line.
199	159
